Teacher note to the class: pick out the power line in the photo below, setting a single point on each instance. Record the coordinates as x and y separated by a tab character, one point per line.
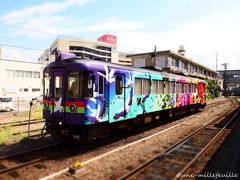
22	47
62	35
33	30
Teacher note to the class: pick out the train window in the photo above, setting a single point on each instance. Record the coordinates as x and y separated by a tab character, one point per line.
73	84
194	88
100	84
180	88
79	83
172	87
146	86
58	87
119	85
138	86
84	77
186	88
46	85
91	79
166	87
154	86
157	87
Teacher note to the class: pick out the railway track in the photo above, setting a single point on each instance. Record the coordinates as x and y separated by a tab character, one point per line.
176	160
16	161
21	123
87	163
37	159
220	102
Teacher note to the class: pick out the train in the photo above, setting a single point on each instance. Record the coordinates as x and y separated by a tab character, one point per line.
85	98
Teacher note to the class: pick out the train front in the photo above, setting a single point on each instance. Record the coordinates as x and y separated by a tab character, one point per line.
67	90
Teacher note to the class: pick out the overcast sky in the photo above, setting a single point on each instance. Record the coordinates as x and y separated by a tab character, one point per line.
204	27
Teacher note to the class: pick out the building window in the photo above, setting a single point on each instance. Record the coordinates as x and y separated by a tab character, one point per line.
175	62
35	89
184	65
25	89
22	74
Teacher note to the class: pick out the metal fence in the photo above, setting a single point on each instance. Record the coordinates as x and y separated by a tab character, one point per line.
22	104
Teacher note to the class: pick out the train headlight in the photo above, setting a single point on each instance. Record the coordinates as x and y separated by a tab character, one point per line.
73	108
46	105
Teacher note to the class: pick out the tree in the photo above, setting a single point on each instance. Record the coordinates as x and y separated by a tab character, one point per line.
213	89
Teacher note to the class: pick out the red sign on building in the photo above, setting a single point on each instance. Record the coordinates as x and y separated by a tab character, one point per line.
108	38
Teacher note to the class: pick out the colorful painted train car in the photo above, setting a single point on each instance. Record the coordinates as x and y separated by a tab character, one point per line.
84	98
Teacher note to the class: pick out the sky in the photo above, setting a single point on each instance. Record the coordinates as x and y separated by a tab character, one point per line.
208	29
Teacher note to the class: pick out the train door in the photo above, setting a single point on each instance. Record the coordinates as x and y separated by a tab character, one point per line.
117	109
102	99
58	94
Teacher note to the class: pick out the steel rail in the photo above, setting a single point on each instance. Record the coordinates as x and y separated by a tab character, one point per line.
161	155
20	154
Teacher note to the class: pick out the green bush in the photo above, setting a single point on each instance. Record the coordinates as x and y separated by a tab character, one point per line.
213	89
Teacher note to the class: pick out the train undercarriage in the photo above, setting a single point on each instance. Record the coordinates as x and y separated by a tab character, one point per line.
85	133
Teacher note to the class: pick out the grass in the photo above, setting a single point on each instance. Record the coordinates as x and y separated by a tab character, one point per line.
35	114
5	134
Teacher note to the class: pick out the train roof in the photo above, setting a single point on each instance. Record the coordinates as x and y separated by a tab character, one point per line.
90	62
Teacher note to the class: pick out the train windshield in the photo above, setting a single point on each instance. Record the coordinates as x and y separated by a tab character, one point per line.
46	85
80	84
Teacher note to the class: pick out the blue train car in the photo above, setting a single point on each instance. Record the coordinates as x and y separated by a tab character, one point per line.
84	98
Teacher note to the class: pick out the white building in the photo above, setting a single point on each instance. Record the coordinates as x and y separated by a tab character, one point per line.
20	79
98	50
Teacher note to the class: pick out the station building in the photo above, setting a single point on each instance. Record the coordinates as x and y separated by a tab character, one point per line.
20	79
176	63
104	49
231	81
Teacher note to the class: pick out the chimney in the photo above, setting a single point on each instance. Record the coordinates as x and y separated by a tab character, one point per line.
181	50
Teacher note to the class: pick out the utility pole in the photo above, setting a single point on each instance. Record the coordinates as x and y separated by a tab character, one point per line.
216	62
155	56
225	80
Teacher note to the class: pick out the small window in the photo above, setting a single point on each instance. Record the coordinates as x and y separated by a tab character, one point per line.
100	84
175	62
119	85
35	89
58	87
46	84
25	89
